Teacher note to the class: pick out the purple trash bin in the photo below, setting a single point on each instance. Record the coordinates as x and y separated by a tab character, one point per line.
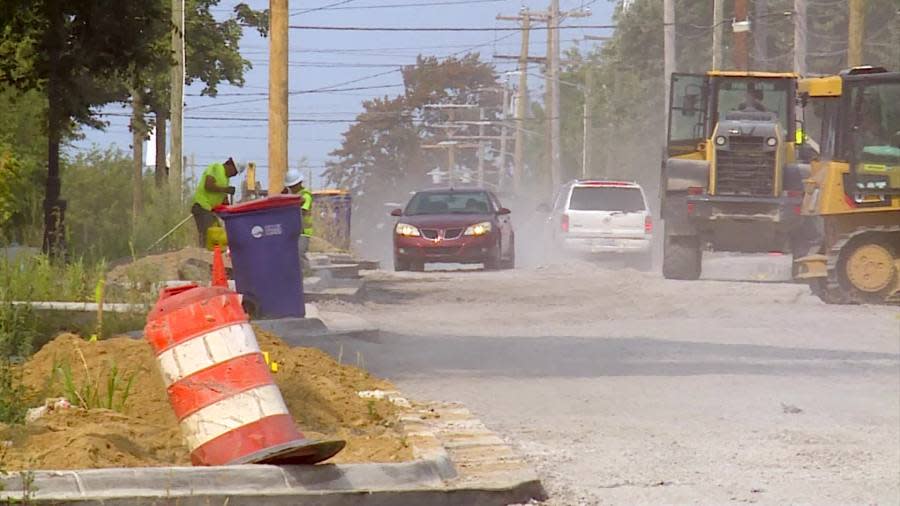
265	259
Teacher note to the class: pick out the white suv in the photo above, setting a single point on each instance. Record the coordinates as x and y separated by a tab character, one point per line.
605	218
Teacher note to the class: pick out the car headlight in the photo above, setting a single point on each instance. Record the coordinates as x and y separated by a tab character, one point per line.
771	142
479	228
407	230
721	140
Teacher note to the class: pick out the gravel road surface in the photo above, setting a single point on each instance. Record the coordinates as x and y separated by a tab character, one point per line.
625	388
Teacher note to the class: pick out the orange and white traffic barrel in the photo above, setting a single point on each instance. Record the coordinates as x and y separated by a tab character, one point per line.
227	404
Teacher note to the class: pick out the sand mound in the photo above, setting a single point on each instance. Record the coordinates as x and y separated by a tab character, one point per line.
321	394
188	264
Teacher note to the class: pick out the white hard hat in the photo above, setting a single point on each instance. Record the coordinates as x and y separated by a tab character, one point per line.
293	177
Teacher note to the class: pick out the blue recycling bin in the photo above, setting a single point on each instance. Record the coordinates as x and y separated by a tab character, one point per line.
265	258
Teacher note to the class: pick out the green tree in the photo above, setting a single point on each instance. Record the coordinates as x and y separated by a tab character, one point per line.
76	52
23	146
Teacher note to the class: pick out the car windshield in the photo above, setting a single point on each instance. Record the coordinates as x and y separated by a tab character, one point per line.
451	202
601	198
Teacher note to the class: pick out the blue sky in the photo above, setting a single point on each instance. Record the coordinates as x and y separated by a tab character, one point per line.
321	59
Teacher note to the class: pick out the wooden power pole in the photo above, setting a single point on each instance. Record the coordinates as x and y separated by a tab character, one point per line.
278	95
177	99
524	17
588	122
856	33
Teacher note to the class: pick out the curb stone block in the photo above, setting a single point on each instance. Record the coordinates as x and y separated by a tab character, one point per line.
458	462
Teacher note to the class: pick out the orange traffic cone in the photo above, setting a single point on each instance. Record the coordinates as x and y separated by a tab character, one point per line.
219	278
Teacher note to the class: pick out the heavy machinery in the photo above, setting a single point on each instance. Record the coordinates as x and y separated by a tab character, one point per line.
729	177
854	187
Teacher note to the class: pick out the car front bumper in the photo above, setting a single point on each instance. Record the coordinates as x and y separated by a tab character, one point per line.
466	249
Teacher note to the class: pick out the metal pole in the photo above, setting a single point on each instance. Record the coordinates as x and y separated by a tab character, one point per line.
669	47
741	38
718	30
278	95
481	146
501	169
800	37
588	123
177	99
856	32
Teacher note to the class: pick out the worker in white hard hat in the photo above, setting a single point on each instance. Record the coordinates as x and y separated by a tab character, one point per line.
293	182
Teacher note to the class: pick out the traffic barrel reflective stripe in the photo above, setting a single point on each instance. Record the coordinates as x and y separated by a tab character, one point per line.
219	385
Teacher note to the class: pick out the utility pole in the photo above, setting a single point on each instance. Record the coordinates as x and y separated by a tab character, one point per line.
856	31
741	36
588	122
278	95
668	49
177	99
718	30
504	113
761	34
525	17
800	37
481	146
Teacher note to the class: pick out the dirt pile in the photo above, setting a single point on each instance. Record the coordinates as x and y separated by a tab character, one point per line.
321	394
188	264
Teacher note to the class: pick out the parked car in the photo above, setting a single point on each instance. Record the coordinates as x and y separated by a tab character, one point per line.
466	226
603	218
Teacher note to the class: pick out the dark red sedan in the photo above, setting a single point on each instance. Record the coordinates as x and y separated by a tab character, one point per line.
467	226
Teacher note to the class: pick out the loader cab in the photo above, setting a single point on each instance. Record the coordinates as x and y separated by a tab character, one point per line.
855	116
699	102
872	143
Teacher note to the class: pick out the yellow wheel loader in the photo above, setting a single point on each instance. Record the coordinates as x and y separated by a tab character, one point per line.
854	187
730	181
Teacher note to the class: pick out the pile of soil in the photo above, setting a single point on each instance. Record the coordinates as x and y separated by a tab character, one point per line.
188	264
321	394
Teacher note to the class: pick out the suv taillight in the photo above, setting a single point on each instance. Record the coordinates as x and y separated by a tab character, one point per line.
564	224
648	225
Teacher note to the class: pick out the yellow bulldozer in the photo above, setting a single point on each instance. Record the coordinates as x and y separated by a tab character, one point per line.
854	187
730	180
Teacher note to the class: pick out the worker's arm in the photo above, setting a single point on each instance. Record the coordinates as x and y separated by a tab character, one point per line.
211	186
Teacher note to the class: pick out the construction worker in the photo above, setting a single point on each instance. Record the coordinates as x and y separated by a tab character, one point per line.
293	182
753	101
211	192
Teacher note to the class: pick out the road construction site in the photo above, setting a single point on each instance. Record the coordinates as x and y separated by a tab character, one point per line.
621	387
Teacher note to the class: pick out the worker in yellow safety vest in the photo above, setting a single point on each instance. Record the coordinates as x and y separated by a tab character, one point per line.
293	182
212	191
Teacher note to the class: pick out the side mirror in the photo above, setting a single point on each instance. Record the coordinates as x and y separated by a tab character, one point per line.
397	212
543	208
503	211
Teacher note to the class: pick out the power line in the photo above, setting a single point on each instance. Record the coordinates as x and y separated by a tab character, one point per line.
337	6
439	29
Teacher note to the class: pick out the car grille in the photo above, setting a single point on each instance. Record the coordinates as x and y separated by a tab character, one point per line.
745	169
435	234
453	233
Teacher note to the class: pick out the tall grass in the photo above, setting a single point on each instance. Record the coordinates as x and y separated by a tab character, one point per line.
104	391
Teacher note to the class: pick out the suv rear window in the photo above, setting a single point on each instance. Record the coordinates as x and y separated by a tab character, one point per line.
600	198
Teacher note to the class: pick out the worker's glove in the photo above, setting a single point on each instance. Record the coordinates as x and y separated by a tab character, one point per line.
230	190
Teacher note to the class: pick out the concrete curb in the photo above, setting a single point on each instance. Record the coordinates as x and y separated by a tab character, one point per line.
458	462
318	324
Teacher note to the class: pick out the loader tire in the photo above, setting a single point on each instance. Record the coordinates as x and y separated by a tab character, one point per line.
682	258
